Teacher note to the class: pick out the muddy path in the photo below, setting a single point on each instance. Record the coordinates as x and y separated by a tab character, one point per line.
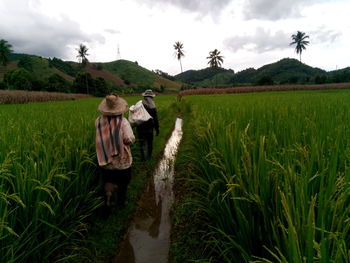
148	237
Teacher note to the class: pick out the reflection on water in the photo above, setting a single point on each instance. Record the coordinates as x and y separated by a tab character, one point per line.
148	237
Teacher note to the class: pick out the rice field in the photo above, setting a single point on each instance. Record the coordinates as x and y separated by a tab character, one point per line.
48	177
271	173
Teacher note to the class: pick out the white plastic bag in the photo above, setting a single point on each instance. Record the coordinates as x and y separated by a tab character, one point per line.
138	114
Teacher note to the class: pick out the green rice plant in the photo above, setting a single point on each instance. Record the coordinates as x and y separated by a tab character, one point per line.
48	178
273	175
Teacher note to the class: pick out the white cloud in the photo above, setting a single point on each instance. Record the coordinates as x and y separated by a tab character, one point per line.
202	7
30	31
248	33
274	9
262	41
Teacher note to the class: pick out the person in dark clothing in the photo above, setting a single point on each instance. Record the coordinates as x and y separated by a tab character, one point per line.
145	130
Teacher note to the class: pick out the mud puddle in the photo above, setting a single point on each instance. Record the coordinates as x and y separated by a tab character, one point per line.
148	237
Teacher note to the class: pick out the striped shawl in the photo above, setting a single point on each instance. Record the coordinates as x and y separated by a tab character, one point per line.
108	141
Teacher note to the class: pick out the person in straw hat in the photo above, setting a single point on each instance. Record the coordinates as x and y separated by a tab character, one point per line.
113	138
145	130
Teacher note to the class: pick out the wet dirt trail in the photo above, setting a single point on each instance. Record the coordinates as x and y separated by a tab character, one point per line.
148	237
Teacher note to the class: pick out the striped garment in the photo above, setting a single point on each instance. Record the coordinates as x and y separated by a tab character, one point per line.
107	138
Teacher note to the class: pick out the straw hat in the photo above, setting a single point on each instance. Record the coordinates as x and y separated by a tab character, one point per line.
148	93
113	105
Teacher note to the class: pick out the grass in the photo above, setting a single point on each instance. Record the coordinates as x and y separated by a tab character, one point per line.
270	177
49	184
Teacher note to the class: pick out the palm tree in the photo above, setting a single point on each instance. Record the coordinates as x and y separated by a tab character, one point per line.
300	40
179	52
215	60
5	51
82	54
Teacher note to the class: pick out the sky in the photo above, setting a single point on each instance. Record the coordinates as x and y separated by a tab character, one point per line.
248	33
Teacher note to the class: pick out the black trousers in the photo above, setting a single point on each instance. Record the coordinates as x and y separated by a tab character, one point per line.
146	140
121	178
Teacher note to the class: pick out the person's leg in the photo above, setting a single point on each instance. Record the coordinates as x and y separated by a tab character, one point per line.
142	143
142	148
124	178
109	184
149	145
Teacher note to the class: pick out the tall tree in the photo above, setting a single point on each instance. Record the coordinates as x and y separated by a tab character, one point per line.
299	39
179	52
215	60
5	51
82	54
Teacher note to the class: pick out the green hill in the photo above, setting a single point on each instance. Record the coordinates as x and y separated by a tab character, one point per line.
285	71
125	76
206	77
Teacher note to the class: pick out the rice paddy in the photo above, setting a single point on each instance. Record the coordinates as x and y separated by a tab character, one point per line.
271	176
48	177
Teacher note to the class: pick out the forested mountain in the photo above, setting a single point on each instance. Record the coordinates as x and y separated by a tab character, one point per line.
285	71
29	72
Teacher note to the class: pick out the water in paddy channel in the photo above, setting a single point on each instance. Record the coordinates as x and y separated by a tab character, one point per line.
148	236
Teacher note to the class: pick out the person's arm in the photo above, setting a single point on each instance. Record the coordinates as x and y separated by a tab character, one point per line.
129	136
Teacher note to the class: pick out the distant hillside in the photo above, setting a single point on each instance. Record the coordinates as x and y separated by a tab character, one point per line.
122	74
285	71
206	77
132	73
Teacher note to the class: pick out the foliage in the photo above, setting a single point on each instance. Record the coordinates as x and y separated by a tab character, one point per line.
17	56
179	52
83	83
131	72
264	80
215	59
273	191
82	54
86	84
39	67
300	42
19	79
5	51
197	76
244	76
164	74
26	63
2	85
285	71
47	179
58	83
64	66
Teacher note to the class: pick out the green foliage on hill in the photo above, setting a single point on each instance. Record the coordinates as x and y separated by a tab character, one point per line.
65	67
38	66
285	71
130	72
17	56
202	76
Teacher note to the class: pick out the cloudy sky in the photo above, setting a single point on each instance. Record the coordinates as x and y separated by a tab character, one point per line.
249	33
